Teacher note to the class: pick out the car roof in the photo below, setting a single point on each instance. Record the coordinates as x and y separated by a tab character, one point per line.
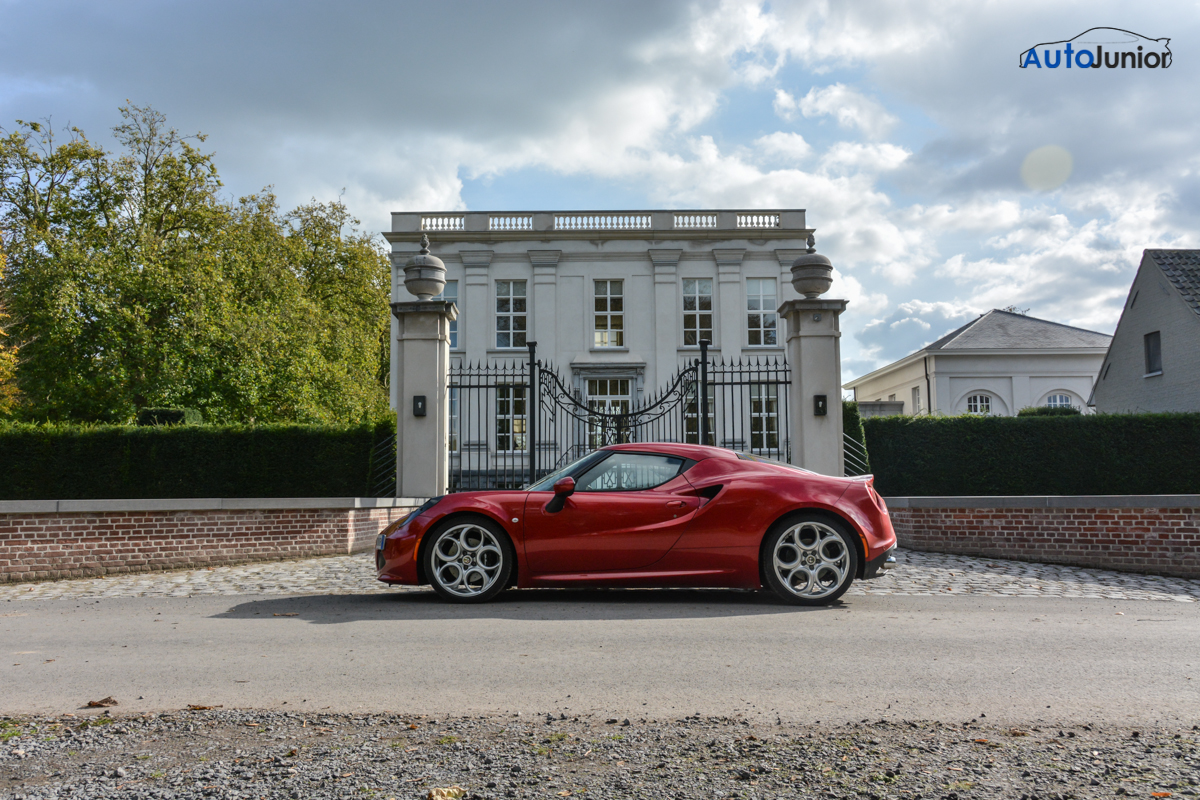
696	452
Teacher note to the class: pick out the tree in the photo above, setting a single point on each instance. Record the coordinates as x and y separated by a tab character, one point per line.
132	283
8	360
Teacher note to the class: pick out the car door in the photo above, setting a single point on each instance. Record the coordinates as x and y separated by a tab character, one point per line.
626	513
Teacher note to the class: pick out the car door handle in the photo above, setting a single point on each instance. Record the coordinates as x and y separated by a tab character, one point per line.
676	504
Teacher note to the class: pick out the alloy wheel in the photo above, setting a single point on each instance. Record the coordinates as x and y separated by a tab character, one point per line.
467	560
811	560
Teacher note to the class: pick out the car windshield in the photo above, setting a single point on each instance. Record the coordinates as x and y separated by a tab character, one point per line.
546	484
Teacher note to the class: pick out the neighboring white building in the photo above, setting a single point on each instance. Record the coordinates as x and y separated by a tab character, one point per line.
1153	362
996	364
617	300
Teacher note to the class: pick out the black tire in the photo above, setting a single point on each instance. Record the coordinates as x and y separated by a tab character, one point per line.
808	559
468	559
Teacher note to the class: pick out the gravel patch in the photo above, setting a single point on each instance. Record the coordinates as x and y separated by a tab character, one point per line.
256	754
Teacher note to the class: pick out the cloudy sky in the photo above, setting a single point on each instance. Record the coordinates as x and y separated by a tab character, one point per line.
901	126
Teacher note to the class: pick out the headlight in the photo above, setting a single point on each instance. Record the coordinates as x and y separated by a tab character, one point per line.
421	509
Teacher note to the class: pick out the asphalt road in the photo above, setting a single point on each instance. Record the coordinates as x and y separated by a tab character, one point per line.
624	654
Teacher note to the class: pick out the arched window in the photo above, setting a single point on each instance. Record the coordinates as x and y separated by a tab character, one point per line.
979	404
1059	401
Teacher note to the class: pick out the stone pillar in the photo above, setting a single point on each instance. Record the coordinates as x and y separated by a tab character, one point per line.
423	439
814	357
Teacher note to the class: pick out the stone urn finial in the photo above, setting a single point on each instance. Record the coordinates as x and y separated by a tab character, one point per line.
425	274
812	273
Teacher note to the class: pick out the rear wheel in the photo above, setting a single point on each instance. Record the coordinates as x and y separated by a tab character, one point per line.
808	560
468	560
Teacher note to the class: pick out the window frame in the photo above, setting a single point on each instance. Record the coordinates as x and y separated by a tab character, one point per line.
518	392
1064	396
1152	350
698	312
510	315
980	396
608	314
762	314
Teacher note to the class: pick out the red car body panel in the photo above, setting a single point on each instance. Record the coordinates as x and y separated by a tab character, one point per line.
702	528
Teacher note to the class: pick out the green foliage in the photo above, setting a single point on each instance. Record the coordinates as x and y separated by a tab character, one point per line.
857	463
8	356
852	422
1047	411
85	462
132	283
169	416
1035	455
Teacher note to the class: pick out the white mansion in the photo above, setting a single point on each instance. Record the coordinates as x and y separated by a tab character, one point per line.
618	300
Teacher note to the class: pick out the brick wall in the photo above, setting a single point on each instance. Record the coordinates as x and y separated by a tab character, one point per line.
66	539
1154	534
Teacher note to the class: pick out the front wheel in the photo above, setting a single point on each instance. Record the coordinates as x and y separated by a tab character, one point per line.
808	560
468	560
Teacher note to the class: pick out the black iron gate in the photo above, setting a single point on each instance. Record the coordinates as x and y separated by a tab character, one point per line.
512	423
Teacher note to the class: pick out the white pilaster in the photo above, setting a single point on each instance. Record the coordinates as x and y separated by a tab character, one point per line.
474	328
731	307
543	312
667	334
815	361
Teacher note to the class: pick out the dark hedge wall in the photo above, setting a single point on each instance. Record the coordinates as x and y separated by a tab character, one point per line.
72	462
1035	455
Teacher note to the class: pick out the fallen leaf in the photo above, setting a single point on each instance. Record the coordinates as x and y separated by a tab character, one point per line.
105	703
1160	794
565	793
981	741
449	793
289	614
293	753
412	727
251	724
202	708
48	660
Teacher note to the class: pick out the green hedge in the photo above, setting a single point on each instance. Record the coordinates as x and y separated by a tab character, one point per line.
73	462
170	416
1037	455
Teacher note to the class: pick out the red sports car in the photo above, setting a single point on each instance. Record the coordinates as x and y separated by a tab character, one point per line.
649	515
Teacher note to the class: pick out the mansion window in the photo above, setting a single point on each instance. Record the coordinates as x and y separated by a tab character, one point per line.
510	314
610	314
764	417
760	312
916	400
697	311
691	417
450	292
607	396
979	404
1059	401
510	418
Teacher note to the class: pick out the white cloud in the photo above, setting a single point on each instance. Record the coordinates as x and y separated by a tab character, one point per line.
851	108
784	146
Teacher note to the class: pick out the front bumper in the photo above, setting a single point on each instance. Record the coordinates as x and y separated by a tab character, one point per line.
880	564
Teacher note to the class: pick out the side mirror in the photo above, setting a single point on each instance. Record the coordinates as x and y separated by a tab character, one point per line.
563	488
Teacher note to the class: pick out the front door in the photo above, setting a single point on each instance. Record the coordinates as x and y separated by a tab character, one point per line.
626	513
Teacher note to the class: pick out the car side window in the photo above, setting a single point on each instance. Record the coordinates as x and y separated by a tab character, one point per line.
629	472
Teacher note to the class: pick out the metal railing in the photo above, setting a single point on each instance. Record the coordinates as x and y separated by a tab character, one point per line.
857	462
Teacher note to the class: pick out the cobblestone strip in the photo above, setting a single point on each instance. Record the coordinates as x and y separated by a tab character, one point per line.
916	573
